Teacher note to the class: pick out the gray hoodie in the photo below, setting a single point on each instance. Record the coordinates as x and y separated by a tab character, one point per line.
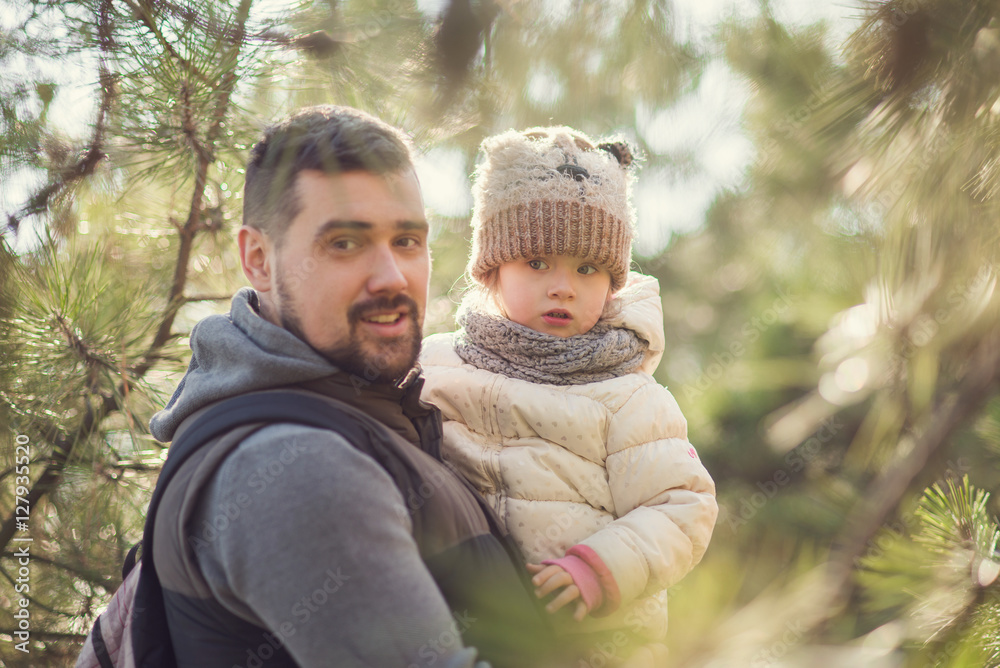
312	538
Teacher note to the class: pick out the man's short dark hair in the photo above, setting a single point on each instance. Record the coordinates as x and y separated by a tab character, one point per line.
327	138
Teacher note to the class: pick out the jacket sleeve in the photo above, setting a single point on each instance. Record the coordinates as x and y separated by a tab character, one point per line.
664	500
323	553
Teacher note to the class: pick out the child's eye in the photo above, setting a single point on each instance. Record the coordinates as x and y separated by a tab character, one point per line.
537	264
587	269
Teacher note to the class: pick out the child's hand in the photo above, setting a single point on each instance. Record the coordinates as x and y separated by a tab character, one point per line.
550	578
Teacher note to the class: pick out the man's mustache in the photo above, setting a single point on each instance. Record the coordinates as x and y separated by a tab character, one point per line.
370	306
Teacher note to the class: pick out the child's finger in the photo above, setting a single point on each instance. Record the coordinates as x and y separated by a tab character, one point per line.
545	574
553	582
581	611
568	595
535	568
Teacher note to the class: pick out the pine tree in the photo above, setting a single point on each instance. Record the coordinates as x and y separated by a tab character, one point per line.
873	202
939	577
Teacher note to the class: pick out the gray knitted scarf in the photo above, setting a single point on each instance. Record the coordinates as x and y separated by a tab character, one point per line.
505	347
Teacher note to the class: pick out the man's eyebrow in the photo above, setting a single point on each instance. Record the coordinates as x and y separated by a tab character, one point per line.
342	225
360	225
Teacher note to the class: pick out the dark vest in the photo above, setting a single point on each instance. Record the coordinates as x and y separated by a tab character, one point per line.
460	541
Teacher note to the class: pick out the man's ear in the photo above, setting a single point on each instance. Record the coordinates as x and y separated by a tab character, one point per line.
256	257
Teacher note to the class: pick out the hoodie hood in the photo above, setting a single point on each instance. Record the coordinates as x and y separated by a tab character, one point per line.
237	353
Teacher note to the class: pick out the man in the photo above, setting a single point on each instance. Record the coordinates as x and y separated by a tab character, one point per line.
298	547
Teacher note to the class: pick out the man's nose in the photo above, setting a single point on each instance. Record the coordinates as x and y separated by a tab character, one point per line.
385	275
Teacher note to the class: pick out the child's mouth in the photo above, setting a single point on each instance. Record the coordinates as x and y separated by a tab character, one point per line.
558	316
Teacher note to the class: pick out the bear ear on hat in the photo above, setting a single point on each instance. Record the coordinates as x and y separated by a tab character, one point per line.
621	150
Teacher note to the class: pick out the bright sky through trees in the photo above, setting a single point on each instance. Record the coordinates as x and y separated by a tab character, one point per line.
706	125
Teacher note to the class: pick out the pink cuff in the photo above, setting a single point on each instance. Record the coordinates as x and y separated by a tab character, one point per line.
612	598
584	578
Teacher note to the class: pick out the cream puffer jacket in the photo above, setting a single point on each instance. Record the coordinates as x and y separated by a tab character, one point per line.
607	465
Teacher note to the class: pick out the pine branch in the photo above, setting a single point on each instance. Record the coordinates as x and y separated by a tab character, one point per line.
63	447
81	347
194	222
821	594
188	13
137	467
208	298
48	635
82	168
145	13
87	164
93	577
887	490
52	475
34	600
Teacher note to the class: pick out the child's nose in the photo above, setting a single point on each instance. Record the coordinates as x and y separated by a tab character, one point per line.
561	286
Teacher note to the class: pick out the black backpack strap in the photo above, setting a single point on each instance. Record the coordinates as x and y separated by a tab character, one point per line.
259	407
130	560
100	648
150	640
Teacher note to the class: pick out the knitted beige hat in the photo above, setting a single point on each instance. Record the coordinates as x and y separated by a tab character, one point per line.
552	191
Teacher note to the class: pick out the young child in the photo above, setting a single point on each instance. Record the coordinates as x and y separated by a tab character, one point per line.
549	406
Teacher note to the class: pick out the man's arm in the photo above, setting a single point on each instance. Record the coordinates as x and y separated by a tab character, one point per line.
323	553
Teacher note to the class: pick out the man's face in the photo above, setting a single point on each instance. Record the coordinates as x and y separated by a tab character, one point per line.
350	277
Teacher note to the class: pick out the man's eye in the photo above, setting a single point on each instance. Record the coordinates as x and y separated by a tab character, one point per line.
408	242
344	244
537	264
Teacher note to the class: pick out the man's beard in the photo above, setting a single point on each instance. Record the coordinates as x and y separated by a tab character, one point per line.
381	360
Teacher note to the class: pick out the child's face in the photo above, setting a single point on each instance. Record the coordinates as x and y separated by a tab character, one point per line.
555	294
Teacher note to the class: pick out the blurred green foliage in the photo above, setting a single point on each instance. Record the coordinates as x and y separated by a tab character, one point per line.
831	325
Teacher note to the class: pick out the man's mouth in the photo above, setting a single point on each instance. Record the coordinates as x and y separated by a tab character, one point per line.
383	318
